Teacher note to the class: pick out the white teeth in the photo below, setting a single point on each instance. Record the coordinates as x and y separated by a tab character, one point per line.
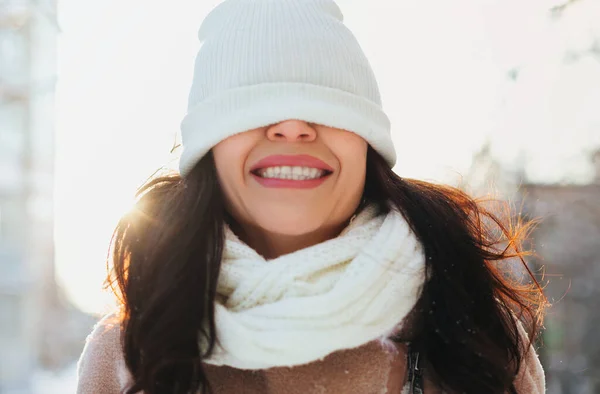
295	173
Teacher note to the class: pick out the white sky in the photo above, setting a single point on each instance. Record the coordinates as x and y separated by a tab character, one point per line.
125	69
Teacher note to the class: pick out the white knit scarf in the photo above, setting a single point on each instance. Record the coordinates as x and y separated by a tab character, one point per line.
302	306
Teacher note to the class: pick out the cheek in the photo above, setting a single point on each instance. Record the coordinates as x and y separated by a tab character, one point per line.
223	166
230	156
231	153
228	163
352	179
351	151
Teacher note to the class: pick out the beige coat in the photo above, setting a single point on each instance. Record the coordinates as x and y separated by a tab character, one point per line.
369	369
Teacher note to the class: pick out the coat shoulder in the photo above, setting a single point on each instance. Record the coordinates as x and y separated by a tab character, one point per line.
101	368
531	377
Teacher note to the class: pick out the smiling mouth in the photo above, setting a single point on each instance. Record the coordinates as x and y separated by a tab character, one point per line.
295	173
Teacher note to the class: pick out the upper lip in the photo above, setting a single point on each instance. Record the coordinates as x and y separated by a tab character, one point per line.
292	161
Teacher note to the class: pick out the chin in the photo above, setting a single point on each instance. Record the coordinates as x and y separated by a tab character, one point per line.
297	222
290	227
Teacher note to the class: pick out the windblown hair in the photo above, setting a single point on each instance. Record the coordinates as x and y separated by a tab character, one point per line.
166	256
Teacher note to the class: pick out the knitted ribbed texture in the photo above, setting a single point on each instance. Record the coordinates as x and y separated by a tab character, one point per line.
302	306
265	61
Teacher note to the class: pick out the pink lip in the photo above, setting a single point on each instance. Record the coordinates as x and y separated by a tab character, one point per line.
291	160
289	183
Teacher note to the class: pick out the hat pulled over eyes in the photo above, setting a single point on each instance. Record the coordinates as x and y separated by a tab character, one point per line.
265	61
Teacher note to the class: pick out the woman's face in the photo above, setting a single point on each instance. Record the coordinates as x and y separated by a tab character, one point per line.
292	178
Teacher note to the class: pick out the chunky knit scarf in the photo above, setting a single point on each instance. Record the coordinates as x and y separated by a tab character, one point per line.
302	306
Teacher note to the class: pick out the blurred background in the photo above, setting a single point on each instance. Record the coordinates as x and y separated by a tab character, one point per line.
500	95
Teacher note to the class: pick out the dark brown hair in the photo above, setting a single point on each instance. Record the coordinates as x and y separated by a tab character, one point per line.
166	256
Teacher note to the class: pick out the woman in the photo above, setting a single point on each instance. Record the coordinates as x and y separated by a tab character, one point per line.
287	257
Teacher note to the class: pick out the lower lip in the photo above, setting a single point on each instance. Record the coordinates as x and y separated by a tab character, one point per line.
290	183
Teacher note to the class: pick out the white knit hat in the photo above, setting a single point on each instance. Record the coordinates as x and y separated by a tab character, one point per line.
266	61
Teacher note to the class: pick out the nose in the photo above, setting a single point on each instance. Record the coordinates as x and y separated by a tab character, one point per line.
292	131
